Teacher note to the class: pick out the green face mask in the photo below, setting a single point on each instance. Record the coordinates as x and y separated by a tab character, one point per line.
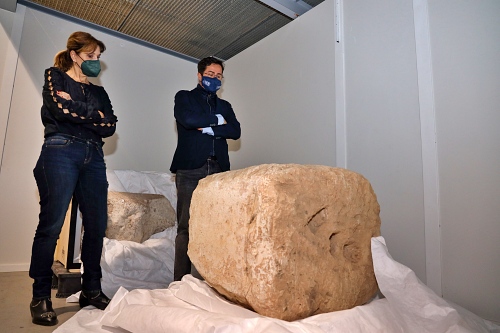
91	68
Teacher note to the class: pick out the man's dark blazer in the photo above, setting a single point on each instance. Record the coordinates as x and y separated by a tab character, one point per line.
193	110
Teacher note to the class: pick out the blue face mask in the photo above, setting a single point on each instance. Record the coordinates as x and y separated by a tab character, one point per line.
211	84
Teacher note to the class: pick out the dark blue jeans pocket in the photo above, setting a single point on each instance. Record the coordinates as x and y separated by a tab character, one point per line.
57	141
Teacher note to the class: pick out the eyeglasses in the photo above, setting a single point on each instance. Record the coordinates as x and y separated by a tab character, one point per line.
212	75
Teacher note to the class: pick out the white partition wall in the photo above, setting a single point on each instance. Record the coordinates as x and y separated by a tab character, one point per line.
382	116
283	93
465	40
6	21
8	62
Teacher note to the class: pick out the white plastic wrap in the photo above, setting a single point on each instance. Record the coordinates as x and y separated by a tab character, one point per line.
148	265
191	305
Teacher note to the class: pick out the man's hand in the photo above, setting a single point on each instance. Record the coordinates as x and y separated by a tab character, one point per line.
207	130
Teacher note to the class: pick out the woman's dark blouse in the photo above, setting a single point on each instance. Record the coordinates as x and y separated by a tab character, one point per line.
79	116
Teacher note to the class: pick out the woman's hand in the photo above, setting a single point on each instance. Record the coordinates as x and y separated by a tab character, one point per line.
64	95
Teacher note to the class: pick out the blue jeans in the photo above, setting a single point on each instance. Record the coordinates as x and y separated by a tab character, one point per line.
68	165
186	182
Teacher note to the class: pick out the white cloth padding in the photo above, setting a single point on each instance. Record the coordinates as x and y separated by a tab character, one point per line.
134	265
418	308
191	305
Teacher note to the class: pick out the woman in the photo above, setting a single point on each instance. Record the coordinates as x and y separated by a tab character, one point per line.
76	115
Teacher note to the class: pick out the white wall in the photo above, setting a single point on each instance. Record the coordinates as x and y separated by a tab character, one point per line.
6	20
282	90
8	54
382	116
465	39
141	83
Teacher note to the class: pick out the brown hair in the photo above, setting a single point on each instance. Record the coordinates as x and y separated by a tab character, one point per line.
79	42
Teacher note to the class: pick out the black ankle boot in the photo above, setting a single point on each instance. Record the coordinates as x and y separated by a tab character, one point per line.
95	298
42	312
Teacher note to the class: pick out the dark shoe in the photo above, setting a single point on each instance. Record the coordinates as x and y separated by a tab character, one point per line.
42	312
95	298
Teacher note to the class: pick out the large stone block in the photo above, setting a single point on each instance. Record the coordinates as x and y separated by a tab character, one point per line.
137	216
288	241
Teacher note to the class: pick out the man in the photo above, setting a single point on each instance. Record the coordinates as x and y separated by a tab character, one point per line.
204	122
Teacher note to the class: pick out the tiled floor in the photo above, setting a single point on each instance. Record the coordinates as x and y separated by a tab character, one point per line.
15	296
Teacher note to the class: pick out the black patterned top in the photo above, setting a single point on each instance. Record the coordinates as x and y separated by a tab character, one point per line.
79	116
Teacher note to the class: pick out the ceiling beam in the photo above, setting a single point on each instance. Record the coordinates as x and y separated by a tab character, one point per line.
9	5
290	8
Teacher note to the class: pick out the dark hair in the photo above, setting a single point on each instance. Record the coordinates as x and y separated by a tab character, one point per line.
205	62
79	42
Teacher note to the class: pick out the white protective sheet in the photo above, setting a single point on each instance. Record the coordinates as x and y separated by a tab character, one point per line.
192	306
148	265
138	266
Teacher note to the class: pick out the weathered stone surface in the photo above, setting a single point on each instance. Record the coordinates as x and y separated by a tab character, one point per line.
137	216
286	240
